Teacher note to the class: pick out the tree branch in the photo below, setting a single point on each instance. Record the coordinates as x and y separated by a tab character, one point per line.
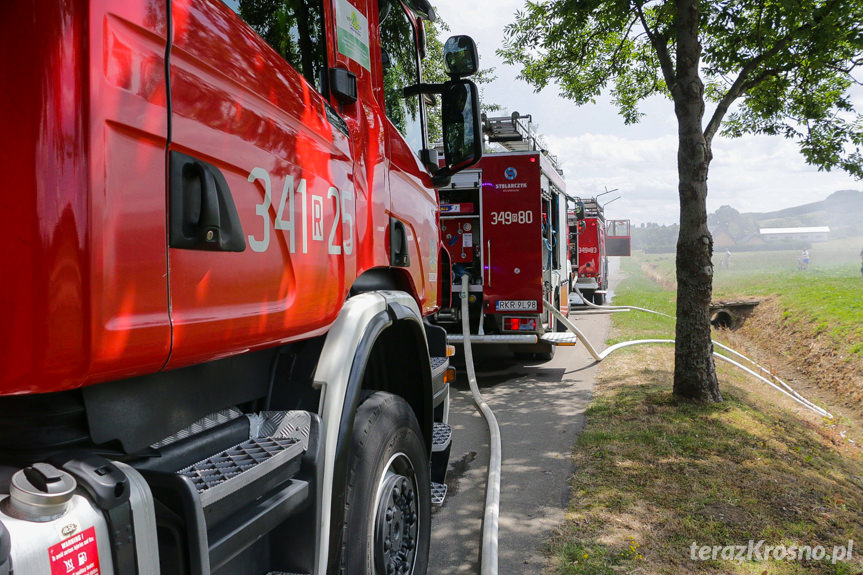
622	43
660	44
743	83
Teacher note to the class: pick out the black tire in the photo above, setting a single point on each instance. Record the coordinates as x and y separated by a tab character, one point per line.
542	351
388	498
558	325
547	354
598	298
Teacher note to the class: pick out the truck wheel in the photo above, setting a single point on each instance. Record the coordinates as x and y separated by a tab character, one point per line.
388	500
542	351
547	352
558	325
599	298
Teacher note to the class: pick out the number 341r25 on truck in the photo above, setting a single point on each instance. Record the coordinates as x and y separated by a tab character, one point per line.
221	249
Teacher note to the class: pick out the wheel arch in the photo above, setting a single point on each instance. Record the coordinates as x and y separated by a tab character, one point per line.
384	279
387	351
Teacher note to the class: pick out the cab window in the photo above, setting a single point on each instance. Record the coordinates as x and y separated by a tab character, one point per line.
294	29
401	68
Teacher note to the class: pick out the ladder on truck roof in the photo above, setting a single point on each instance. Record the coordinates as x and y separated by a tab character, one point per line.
593	209
516	133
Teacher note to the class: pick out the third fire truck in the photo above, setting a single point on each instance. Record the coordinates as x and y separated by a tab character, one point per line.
592	239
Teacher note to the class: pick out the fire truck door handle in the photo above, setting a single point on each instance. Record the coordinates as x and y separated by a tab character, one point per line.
202	211
399	255
489	263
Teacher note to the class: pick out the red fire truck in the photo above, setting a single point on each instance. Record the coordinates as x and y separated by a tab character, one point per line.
592	239
503	225
221	248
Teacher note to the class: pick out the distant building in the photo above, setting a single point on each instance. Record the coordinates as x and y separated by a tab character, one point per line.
753	239
722	239
813	234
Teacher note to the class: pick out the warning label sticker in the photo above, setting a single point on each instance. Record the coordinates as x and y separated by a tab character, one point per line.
77	555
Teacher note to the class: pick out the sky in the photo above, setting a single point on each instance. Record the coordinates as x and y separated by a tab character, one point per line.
598	152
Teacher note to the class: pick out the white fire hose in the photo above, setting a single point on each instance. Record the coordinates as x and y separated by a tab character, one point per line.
773	382
488	561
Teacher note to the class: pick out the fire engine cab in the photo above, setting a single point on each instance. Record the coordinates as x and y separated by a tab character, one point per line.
504	225
221	253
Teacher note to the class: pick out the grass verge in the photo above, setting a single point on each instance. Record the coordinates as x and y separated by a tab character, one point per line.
653	476
829	295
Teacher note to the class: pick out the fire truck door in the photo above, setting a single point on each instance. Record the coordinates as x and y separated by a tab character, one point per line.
414	201
357	53
258	158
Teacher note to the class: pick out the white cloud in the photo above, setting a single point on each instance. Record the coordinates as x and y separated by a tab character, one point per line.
597	151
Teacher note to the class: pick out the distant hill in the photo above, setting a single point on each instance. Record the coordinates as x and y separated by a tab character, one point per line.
842	211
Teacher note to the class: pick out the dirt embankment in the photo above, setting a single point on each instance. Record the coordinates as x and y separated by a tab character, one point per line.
796	343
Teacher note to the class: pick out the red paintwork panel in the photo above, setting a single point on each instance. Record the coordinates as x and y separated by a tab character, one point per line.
239	106
84	293
415	202
512	229
92	292
618	239
591	248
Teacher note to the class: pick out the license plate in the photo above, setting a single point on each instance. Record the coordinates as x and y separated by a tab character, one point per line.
516	305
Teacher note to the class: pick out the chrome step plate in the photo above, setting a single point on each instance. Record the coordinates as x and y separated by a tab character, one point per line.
560	338
441	437
500	338
438	493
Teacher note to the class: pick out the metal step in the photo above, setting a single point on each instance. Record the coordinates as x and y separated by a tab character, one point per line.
500	338
446	316
438	365
277	438
560	338
281	425
225	473
204	424
441	437
438	493
441	445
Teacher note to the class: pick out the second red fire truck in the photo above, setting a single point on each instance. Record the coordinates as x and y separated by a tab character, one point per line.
504	225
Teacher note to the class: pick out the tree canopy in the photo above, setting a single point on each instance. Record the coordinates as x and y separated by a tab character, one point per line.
786	64
779	67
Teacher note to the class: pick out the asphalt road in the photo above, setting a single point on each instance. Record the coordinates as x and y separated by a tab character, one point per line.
540	410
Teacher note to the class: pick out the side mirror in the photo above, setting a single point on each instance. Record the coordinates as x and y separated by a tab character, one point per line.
462	135
460	57
422	8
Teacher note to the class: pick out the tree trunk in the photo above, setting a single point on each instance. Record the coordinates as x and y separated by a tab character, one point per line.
694	370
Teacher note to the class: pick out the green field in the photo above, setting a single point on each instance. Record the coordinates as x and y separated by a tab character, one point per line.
828	294
655	476
641	291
